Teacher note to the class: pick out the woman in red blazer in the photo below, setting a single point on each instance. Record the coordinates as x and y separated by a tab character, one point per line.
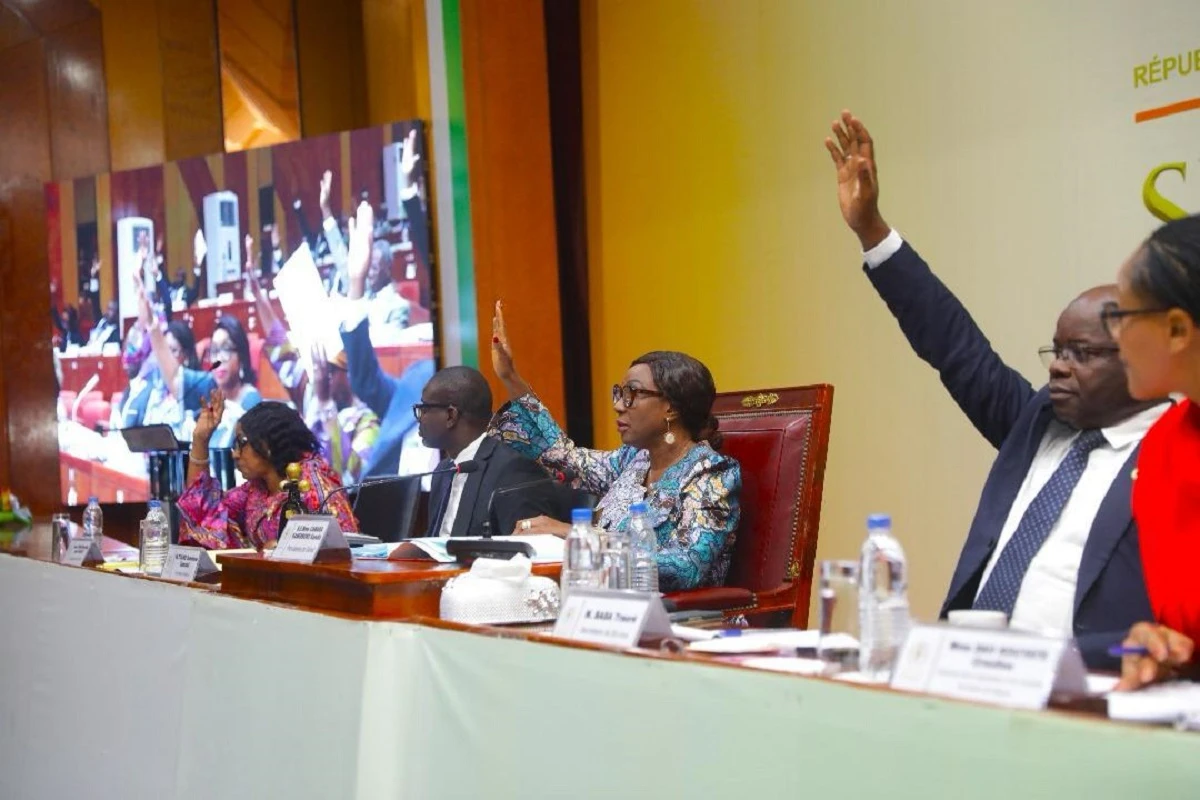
1156	322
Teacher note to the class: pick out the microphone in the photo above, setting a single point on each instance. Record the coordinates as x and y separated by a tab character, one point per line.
487	522
465	468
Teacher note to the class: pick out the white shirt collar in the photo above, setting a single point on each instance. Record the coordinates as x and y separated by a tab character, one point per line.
1130	431
470	450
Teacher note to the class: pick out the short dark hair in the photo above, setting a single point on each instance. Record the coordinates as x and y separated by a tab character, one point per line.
278	433
466	389
241	343
187	342
1168	273
689	387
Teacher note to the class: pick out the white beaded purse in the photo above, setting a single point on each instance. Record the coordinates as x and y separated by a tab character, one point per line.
497	591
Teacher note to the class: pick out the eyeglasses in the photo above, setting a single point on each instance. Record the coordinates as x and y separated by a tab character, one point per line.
1074	353
239	442
1114	317
222	350
629	394
420	408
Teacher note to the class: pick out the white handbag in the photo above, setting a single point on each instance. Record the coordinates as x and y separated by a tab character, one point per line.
500	591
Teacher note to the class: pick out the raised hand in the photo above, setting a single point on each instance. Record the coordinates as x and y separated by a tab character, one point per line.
320	374
326	190
853	154
502	360
251	273
1167	651
409	155
358	255
211	411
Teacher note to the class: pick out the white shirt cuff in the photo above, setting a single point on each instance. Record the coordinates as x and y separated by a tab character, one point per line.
356	312
881	252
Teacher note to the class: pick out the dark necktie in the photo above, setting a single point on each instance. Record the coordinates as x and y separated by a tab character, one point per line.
1003	585
442	499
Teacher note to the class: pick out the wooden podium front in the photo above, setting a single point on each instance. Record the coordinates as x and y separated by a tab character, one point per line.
363	587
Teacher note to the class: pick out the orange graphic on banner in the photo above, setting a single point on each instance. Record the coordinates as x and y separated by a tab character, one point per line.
1168	110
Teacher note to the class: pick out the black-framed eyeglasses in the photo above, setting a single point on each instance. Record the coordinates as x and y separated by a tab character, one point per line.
1075	353
421	408
222	350
1114	317
239	442
628	395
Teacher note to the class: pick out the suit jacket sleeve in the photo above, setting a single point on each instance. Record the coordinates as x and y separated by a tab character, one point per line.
942	332
368	381
418	228
545	499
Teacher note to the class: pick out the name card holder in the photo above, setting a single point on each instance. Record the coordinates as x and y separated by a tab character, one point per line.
312	539
612	617
83	553
190	565
1002	668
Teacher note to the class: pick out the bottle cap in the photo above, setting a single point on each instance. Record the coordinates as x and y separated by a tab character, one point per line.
641	507
93	499
581	515
877	521
154	504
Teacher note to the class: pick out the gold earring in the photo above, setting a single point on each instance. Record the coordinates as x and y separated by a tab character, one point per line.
669	437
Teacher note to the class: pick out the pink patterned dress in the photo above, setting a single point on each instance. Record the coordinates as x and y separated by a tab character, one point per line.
248	515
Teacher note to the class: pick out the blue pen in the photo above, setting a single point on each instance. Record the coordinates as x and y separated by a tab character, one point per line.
1116	651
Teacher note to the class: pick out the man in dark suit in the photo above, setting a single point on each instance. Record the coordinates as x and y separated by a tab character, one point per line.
455	408
1053	544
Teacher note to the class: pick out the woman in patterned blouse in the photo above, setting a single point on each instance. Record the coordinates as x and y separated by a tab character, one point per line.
269	437
667	458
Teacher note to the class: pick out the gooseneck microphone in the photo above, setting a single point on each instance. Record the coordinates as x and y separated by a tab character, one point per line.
465	468
487	522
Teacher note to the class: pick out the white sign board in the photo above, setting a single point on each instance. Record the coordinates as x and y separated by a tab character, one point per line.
306	535
616	618
1003	668
187	564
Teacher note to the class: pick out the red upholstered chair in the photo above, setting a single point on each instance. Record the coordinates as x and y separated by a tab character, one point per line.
781	438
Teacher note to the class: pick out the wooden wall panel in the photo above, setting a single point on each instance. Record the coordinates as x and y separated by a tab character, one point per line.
133	76
512	194
333	92
78	108
389	30
192	123
25	163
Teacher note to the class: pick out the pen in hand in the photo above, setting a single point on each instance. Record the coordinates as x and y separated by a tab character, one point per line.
1116	651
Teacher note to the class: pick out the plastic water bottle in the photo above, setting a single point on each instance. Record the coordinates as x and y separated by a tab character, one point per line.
583	565
644	544
93	520
155	538
618	559
882	600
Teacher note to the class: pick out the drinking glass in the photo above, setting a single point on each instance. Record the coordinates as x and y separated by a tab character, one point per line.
838	613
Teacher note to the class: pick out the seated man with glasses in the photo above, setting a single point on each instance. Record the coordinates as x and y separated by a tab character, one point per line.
1053	544
453	417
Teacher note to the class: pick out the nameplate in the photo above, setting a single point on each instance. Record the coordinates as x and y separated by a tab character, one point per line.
309	538
1003	668
83	553
187	564
614	618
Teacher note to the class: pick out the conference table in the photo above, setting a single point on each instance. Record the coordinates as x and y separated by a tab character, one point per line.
125	686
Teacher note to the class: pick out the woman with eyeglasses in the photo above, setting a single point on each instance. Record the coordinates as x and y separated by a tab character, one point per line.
1156	323
668	459
228	352
267	439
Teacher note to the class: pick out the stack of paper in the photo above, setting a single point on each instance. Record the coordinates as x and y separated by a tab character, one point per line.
1167	702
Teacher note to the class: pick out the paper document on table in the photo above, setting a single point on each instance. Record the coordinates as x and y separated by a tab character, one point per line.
1167	702
547	548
